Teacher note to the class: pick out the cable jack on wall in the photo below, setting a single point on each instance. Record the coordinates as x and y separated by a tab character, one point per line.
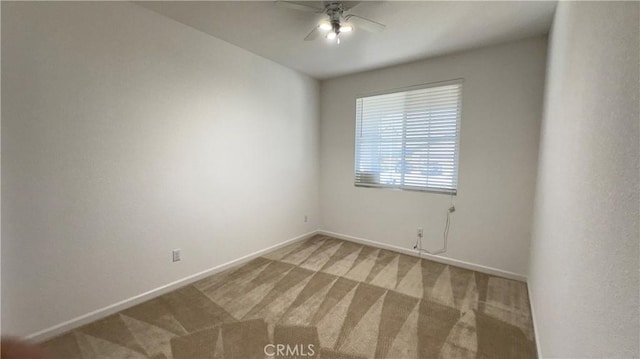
418	245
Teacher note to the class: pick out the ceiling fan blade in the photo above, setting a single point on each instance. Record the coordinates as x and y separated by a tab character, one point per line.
298	6
364	23
313	34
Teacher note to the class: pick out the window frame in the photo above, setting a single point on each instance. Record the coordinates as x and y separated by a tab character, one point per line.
402	187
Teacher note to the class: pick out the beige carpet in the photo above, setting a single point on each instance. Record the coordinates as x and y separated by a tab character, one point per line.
323	296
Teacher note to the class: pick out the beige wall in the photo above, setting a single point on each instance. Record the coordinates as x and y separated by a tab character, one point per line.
501	110
125	135
584	272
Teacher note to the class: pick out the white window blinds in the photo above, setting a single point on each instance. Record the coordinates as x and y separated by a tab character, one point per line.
409	139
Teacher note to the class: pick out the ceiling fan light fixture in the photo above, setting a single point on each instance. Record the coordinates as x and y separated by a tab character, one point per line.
346	28
337	19
325	26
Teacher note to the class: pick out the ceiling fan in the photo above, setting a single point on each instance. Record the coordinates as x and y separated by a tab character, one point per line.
340	19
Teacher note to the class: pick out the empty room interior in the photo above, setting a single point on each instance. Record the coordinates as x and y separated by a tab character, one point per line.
320	179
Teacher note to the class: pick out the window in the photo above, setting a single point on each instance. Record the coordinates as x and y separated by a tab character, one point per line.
409	139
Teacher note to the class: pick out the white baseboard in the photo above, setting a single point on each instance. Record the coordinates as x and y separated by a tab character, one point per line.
76	322
445	260
533	320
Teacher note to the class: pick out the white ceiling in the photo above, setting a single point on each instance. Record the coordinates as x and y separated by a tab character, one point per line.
415	30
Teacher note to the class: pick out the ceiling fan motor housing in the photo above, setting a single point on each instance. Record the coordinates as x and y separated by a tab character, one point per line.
335	11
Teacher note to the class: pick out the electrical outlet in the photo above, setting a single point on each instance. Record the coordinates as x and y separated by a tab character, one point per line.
420	232
176	255
306	218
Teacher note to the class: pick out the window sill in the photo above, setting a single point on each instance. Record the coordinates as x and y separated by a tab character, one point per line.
411	189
